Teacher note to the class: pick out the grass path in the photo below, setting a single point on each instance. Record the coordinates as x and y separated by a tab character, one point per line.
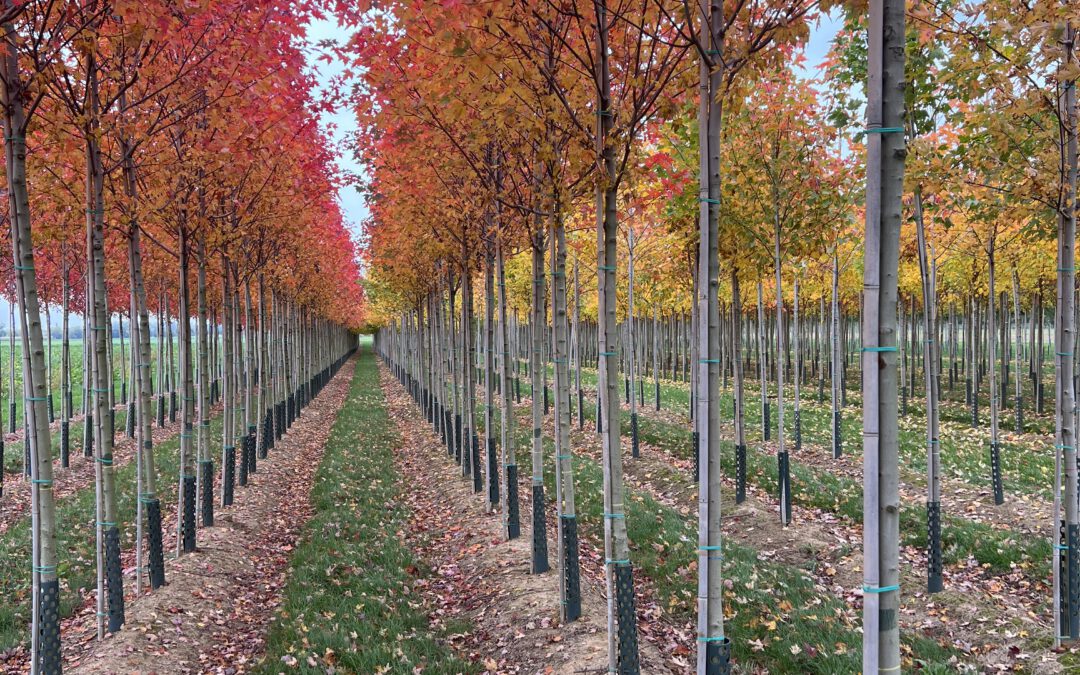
348	600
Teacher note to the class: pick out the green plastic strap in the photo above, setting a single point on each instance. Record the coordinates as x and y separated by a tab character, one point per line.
106	523
1064	353
614	515
185	435
44	569
607	268
713	52
230	447
604	113
1060	547
42	481
569	515
708	360
609	561
607	353
1066	269
708	548
206	461
884	130
102	460
36	398
880	589
708	200
563	456
25	268
712	639
506	466
1064	447
879	349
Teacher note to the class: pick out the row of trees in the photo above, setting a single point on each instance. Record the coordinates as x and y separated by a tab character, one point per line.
166	159
683	135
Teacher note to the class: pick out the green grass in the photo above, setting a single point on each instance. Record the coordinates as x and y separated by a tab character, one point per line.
349	590
75	540
770	607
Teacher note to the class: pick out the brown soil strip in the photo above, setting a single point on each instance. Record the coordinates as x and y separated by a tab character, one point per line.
486	581
213	614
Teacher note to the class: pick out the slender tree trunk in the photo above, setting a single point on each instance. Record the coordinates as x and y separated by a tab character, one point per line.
45	643
884	191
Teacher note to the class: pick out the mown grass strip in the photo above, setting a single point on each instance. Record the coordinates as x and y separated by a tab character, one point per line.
348	601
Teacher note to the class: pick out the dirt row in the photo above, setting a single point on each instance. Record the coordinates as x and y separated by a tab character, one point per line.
213	613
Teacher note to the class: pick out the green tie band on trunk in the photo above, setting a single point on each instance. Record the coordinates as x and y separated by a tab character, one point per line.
44	482
615	515
709	200
44	569
711	639
25	268
880	589
102	460
884	130
879	349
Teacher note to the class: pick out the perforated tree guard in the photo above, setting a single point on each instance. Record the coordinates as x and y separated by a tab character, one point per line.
11	416
172	406
513	517
785	485
740	474
243	477
123	393
838	447
153	534
187	525
995	473
581	409
718	657
798	430
52	409
547	401
1073	581
635	444
267	435
253	463
626	394
88	435
49	627
457	434
2	472
695	443
903	400
465	459
626	616
571	568
114	580
934	581
766	416
161	411
599	417
129	420
230	476
539	523
206	497
1019	415
477	475
493	473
